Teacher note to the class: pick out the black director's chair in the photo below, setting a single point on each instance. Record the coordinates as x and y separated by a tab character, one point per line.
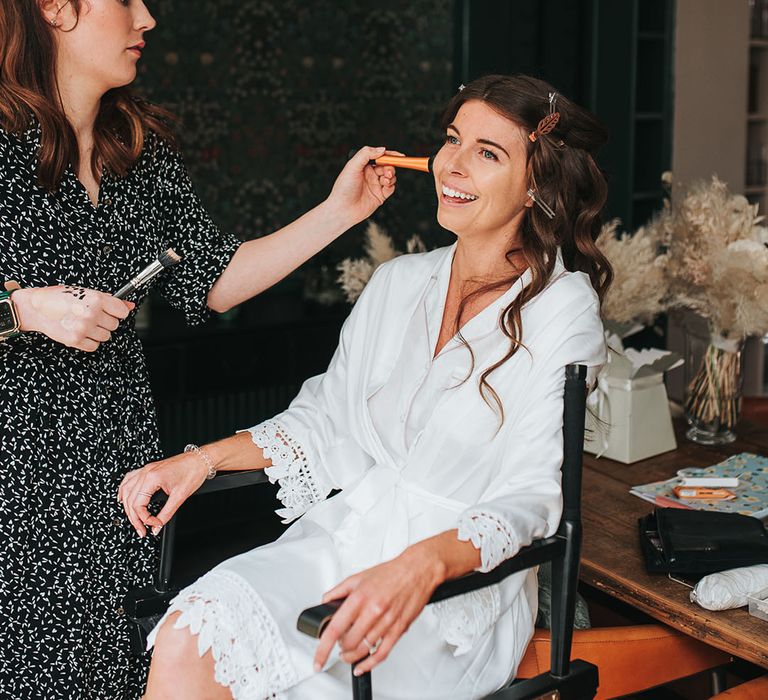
567	680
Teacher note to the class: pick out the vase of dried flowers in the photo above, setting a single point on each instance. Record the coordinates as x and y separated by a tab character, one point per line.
717	267
713	386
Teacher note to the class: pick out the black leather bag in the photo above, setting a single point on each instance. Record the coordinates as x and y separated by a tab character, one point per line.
678	541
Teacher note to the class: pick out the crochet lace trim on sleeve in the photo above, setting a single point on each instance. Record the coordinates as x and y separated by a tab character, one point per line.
465	619
230	619
290	467
491	534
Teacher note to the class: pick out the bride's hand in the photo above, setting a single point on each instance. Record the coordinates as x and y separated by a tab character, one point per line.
361	188
381	603
179	477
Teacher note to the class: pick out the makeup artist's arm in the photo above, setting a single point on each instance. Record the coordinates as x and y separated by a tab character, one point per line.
75	317
358	191
180	476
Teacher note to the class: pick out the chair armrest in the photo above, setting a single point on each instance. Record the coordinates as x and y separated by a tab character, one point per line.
223	481
312	621
536	553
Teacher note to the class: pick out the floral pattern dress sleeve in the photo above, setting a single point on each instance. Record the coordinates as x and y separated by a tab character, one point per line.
190	231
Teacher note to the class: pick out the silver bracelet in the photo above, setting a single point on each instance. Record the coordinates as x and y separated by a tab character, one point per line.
206	459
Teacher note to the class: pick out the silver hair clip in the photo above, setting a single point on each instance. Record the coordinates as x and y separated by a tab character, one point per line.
552	102
461	87
542	204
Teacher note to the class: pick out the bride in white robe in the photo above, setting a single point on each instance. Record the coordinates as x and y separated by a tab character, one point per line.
423	461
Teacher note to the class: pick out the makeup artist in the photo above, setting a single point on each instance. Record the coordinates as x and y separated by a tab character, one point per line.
91	191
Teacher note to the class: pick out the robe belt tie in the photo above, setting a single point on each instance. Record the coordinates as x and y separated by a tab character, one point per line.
384	501
382	481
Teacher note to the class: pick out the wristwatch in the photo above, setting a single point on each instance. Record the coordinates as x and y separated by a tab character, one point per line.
9	319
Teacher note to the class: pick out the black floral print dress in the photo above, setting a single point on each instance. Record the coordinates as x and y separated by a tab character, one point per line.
73	423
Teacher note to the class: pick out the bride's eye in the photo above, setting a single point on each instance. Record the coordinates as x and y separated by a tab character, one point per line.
453	140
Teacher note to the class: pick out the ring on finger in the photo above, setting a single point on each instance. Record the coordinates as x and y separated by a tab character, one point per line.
372	648
145	493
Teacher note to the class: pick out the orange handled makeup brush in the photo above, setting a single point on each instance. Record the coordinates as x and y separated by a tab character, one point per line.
407	162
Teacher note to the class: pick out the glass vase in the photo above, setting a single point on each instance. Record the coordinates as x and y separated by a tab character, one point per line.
713	387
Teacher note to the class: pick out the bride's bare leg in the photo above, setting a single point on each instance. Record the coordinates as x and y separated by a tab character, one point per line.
178	672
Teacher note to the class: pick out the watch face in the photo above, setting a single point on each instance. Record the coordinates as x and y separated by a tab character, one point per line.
7	318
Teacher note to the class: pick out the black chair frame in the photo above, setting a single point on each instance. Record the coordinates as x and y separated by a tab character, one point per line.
567	680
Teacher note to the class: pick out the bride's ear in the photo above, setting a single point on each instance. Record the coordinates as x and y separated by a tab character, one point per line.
50	11
57	12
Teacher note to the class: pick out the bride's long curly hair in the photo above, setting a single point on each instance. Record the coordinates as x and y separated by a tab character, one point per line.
561	169
28	88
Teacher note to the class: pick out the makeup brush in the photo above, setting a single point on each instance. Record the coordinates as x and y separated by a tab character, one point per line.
407	162
168	258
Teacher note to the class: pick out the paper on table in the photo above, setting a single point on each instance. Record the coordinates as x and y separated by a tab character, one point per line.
751	494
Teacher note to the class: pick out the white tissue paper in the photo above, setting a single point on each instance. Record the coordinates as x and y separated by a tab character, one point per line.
729	589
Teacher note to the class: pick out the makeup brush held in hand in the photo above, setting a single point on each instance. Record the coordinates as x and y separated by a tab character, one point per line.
168	258
408	162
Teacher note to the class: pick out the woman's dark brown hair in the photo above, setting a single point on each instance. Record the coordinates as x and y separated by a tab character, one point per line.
28	87
562	170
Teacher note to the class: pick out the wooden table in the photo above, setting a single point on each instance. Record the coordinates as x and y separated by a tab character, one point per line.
612	561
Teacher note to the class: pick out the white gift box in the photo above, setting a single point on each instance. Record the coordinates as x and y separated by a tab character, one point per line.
628	415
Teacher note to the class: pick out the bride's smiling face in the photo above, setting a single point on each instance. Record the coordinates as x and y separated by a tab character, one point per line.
480	173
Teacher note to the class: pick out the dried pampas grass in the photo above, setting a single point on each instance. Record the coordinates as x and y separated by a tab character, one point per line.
379	248
639	290
717	259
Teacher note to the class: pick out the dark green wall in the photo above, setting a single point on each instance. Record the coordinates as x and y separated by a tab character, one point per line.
546	38
274	94
612	56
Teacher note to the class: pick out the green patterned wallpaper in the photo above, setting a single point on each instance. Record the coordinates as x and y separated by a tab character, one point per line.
274	94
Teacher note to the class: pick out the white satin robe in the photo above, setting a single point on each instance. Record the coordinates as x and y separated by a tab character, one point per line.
415	451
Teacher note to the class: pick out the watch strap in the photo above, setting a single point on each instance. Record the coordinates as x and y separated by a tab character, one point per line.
10	288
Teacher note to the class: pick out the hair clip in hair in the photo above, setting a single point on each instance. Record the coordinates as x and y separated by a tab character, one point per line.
552	102
461	87
542	204
549	122
545	126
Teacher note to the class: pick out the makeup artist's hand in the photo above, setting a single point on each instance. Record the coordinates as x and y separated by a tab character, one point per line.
179	477
360	189
78	318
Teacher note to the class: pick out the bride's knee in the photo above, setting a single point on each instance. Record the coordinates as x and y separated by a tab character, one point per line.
173	645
